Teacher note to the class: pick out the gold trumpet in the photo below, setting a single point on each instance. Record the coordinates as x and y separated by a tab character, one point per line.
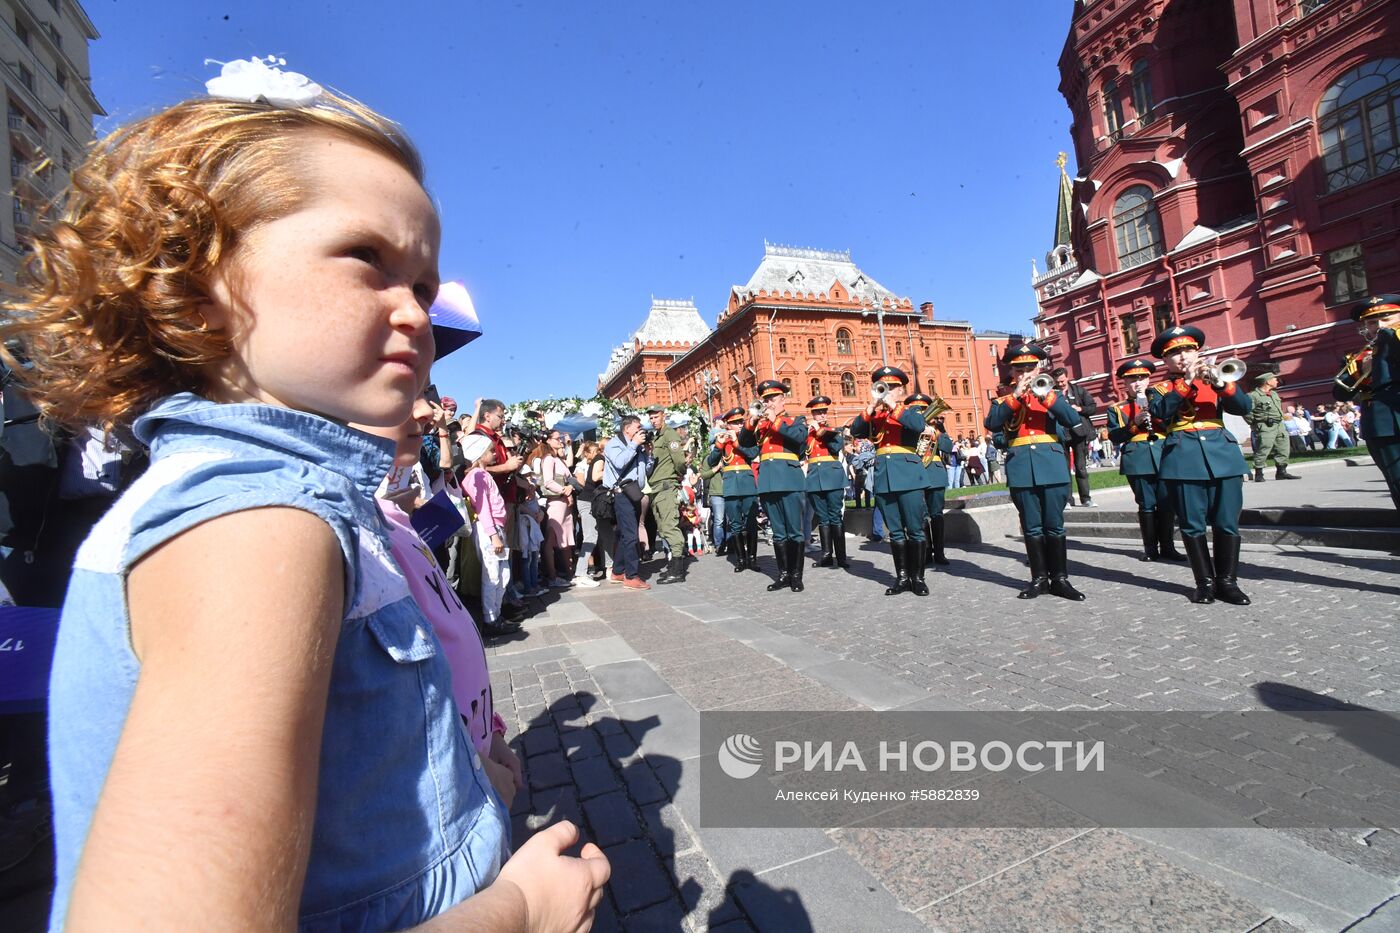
1355	374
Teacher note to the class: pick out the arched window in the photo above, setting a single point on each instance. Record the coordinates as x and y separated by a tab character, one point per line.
950	352
1142	92
927	350
1358	124
962	353
848	385
811	347
957	417
1136	225
952	387
816	387
787	385
843	342
1112	110
874	348
966	388
899	348
782	344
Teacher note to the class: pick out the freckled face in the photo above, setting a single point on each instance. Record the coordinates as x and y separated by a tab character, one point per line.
327	307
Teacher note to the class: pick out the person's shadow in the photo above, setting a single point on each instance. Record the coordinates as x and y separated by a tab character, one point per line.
590	770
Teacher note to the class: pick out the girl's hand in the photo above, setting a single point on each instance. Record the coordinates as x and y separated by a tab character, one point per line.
501	780
498	545
503	755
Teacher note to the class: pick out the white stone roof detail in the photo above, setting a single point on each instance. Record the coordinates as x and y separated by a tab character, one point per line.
1197	234
671	322
810	271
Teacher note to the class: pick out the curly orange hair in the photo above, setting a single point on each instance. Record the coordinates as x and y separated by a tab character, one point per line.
107	306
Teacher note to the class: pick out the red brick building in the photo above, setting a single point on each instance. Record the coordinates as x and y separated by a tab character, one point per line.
636	373
816	321
1237	171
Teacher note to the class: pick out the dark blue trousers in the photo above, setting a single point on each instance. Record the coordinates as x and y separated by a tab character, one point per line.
1042	509
1208	503
784	511
904	513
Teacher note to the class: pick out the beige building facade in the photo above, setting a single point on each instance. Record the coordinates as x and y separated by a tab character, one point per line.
50	108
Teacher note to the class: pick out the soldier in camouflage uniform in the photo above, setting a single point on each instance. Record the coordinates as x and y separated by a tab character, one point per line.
1266	425
668	448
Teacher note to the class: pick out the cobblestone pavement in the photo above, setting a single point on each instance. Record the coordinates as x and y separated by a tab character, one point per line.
605	688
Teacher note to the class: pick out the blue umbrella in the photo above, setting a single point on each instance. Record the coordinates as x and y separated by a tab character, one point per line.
455	323
576	425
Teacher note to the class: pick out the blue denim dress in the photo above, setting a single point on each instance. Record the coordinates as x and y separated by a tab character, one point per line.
406	823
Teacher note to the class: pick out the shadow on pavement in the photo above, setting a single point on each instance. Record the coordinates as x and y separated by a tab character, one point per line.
590	770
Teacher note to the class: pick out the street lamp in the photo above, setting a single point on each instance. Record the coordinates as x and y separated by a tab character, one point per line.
708	380
879	308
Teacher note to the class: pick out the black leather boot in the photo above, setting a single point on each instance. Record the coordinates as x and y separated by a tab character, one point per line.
1040	580
736	547
752	549
1281	472
1227	562
1057	557
1166	536
1259	476
723	548
901	573
780	554
1147	524
824	536
926	552
913	554
795	560
838	540
938	528
1198	554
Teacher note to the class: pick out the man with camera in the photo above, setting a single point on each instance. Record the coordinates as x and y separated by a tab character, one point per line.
1077	438
624	471
668	466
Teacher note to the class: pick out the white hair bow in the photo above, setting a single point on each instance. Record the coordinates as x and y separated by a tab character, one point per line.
260	79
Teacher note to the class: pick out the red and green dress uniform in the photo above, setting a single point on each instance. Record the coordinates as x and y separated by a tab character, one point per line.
899	483
735	462
1037	475
1379	394
1037	468
826	486
936	484
1140	460
1203	468
782	443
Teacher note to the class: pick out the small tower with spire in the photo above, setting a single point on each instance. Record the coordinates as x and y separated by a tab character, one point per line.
1062	253
1061	268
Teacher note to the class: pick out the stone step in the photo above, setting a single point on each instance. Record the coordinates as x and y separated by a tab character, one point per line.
1368	539
1383	519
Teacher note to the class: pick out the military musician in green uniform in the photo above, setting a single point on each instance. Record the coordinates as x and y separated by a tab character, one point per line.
933	449
1139	442
826	483
1037	469
1372	375
668	466
1201	461
1269	436
894	428
782	443
735	463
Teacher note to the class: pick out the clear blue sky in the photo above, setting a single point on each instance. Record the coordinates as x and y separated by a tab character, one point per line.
587	155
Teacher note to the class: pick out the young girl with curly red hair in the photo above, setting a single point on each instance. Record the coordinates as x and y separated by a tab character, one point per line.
251	723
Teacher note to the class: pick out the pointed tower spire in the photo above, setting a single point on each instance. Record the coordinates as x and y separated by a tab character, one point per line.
1062	221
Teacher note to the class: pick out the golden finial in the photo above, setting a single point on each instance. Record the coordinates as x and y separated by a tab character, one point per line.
1064	158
